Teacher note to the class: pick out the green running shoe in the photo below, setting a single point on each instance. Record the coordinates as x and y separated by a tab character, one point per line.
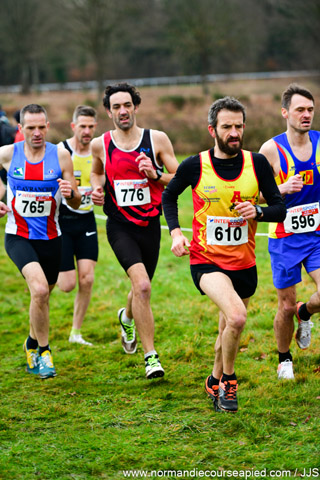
46	367
153	367
128	334
32	359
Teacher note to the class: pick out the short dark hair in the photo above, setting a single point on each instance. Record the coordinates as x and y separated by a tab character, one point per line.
85	111
121	87
32	108
291	90
227	103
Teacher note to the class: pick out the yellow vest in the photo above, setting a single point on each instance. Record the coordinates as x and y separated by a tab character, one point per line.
216	197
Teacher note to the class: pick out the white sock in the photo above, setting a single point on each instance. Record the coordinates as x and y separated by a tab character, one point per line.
125	319
152	352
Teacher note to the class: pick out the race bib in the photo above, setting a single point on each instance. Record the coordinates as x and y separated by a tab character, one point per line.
33	204
132	192
86	199
302	219
226	231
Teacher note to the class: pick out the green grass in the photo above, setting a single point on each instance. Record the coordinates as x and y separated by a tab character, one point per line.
100	415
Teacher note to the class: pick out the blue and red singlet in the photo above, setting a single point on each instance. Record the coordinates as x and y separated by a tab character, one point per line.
33	194
130	196
302	207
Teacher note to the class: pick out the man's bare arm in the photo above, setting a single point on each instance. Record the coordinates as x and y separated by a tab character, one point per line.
67	184
164	156
97	176
293	184
6	152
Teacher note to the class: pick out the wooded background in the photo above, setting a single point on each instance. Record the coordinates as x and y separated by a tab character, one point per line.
76	40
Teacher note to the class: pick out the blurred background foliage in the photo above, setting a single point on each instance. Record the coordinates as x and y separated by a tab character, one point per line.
77	40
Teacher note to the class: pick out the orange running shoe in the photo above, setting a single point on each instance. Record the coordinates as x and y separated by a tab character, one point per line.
213	393
228	395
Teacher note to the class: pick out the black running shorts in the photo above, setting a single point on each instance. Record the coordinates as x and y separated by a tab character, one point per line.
46	252
134	244
244	281
79	239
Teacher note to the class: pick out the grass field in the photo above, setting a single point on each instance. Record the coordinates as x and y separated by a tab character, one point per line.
100	417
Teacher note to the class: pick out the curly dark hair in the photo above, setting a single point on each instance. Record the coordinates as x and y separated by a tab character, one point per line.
121	87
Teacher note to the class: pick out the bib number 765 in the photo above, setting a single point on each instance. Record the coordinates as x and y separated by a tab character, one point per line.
31	204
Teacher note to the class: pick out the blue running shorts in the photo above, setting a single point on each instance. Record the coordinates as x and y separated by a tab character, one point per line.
288	254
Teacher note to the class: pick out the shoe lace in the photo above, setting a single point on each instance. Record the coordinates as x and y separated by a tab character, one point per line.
231	390
47	359
153	361
33	357
305	328
129	329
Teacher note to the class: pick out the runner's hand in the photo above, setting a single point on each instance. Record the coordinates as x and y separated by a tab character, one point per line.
98	196
180	243
145	165
65	188
293	185
4	209
246	210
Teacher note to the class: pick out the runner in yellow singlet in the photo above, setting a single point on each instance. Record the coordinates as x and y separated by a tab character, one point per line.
79	230
226	182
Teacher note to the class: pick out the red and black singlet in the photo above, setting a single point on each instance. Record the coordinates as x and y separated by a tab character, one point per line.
130	197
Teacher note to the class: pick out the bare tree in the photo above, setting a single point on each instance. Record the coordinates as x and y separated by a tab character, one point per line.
92	24
24	29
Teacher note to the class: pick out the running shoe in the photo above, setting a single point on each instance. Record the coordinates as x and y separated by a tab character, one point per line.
128	335
285	370
78	339
32	359
46	367
153	367
303	333
227	400
213	393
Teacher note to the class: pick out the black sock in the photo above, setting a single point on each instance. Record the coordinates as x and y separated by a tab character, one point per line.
226	378
303	312
285	356
43	349
212	381
32	343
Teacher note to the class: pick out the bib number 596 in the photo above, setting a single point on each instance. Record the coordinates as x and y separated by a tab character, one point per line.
300	221
302	218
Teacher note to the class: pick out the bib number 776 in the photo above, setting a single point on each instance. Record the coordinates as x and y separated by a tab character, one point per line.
132	192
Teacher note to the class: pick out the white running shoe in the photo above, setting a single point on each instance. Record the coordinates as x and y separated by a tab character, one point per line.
153	367
78	339
285	370
303	334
